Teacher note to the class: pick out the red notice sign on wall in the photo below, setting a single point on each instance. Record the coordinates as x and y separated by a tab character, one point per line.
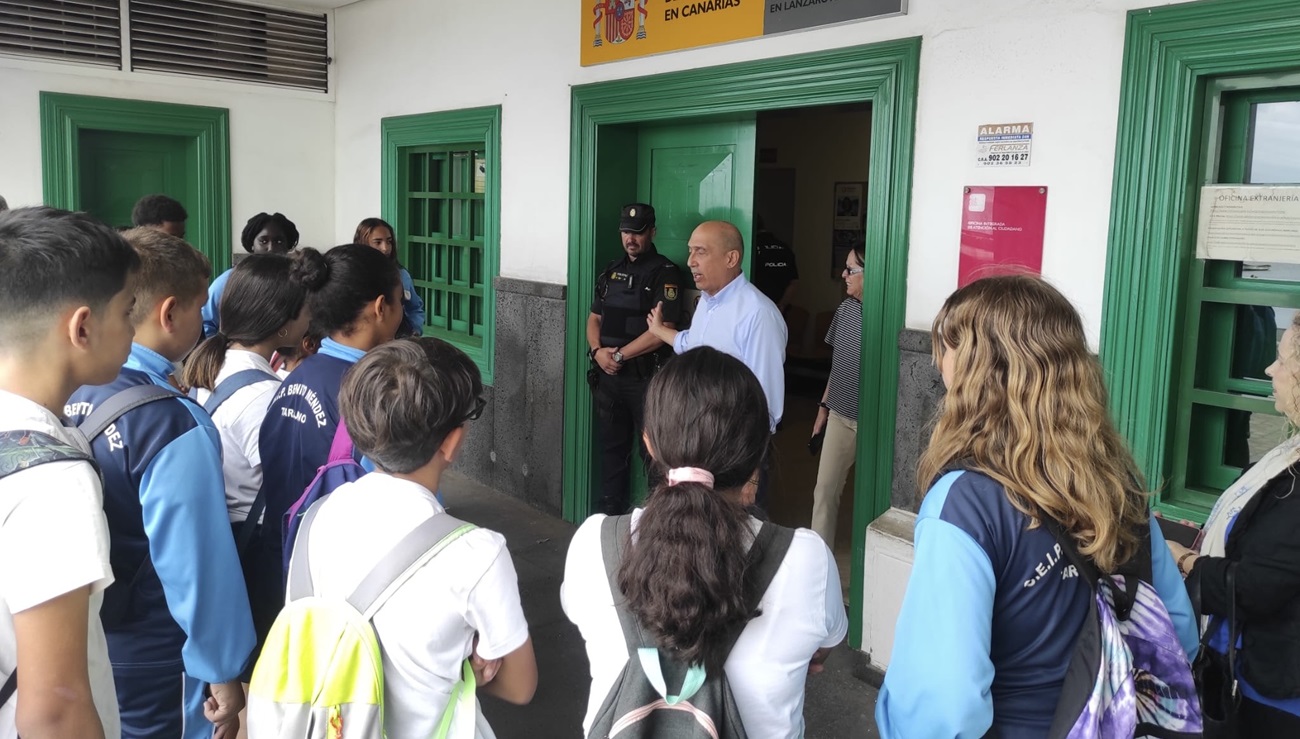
1001	231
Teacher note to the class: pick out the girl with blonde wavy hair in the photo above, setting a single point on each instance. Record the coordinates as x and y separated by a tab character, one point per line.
992	608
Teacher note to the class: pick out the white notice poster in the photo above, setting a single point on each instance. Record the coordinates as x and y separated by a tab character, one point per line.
1249	223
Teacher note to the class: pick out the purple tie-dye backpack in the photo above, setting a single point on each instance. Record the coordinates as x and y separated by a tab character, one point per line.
1128	675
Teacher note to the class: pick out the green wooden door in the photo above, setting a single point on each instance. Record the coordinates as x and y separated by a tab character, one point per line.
694	173
116	168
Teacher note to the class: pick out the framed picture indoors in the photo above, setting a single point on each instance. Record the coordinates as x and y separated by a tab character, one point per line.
848	222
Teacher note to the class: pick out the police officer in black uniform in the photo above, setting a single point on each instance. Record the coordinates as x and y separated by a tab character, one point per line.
775	269
624	354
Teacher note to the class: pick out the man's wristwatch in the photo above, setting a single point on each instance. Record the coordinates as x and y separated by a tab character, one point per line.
591	353
618	356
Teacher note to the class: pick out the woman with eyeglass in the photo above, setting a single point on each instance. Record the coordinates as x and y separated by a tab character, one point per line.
836	427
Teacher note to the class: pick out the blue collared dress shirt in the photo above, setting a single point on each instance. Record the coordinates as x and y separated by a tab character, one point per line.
741	321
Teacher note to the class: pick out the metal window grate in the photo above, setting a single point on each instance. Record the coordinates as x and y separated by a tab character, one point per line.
444	236
87	31
232	41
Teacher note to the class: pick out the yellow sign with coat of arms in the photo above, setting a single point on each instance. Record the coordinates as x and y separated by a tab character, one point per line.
625	29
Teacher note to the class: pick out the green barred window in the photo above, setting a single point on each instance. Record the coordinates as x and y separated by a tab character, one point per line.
442	233
441	192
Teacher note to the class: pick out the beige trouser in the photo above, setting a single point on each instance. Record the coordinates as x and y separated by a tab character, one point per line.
838	453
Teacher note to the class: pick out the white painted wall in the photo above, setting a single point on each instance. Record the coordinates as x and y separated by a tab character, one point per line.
281	141
1054	62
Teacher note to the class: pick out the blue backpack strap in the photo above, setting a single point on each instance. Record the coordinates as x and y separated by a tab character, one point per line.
119	404
233	384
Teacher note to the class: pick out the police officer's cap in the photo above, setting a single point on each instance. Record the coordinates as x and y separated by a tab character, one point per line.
636	217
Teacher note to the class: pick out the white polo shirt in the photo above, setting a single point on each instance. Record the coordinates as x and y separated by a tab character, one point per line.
53	540
802	611
239	420
426	629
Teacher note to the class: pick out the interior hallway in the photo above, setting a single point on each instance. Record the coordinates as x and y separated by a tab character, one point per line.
794	473
839	705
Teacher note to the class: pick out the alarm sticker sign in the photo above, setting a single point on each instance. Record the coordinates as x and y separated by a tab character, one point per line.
1004	144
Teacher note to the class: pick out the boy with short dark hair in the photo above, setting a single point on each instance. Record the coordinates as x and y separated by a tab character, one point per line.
179	610
64	306
408	404
160	212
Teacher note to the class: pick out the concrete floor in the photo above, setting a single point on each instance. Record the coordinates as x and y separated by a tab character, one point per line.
838	705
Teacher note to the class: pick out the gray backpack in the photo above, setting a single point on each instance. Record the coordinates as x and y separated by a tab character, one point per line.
640	704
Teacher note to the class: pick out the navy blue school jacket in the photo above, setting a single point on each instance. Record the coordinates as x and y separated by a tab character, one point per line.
165	501
990	617
298	429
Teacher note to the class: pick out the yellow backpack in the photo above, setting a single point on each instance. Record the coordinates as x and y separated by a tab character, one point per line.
320	674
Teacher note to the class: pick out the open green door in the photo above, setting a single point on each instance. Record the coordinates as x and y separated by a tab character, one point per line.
693	173
605	122
101	154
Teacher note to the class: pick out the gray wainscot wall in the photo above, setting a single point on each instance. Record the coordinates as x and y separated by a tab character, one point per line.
888	557
517	446
920	389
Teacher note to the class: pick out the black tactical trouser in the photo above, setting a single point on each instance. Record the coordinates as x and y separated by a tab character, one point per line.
620	400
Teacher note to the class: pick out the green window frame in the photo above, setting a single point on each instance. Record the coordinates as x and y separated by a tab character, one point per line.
1215	394
886	75
1176	59
64	117
441	191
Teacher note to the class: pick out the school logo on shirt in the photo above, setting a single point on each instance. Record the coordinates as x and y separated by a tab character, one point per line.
299	389
1044	568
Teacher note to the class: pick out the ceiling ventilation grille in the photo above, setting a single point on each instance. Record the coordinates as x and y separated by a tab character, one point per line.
88	31
231	41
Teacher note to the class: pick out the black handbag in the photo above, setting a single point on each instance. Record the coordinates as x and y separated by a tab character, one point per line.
1216	677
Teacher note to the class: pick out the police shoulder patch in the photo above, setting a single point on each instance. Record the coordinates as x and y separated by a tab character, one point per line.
670	292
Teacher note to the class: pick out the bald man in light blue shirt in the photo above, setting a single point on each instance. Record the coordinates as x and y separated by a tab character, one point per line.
733	316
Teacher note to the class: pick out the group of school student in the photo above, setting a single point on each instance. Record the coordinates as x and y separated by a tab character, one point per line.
137	591
139	599
135	594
